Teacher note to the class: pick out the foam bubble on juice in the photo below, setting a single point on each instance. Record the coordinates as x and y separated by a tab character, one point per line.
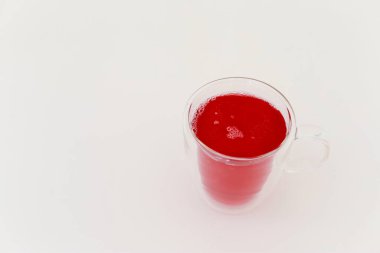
234	132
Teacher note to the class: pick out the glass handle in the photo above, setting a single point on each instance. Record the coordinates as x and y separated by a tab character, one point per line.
309	150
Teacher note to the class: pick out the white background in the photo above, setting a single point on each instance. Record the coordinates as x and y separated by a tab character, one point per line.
91	102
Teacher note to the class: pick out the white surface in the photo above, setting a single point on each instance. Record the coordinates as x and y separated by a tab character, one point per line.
91	102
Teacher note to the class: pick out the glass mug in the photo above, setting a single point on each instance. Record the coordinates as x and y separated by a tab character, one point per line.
236	184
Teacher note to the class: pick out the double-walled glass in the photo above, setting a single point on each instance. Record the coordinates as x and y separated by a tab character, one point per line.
235	184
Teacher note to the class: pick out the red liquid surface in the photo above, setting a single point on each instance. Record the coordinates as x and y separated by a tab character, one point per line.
240	126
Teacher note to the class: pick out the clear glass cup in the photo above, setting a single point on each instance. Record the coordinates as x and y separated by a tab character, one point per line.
235	184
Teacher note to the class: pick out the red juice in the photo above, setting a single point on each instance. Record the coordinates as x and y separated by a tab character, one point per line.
240	126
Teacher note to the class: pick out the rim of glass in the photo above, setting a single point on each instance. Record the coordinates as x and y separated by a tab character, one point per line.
292	121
